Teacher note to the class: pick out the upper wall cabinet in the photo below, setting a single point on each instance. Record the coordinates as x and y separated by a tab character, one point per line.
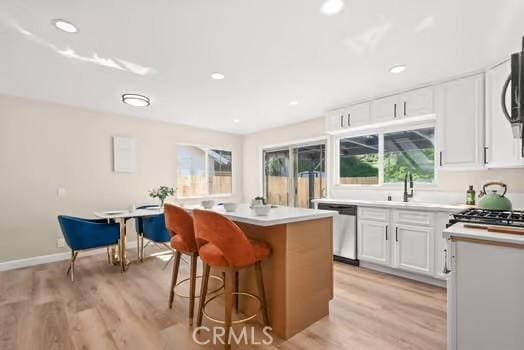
502	150
418	102
414	103
460	110
386	108
356	115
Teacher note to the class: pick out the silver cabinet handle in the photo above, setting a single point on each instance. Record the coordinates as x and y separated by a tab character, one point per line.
349	120
396	233
386	232
405	108
446	270
341	121
395	110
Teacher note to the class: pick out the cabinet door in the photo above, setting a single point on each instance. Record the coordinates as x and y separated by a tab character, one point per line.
460	111
386	109
373	242
414	248
336	120
359	114
502	150
418	102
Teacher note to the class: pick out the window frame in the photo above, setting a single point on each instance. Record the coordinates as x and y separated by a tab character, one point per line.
380	132
207	148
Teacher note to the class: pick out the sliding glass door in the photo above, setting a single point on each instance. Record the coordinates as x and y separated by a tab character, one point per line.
277	177
295	175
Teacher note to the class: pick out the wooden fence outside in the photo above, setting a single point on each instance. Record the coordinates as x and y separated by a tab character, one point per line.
188	186
278	187
369	180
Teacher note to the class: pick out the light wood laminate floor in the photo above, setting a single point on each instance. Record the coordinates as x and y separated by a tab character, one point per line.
104	309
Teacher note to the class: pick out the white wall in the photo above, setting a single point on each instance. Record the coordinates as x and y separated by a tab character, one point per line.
45	146
451	185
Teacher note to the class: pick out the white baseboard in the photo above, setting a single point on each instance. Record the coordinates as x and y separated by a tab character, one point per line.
413	276
45	259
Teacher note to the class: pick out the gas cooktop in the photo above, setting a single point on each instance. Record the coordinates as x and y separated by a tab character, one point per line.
513	218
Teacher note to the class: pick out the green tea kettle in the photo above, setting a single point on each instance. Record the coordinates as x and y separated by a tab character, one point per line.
493	200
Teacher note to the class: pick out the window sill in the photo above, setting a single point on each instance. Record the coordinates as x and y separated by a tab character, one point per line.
383	187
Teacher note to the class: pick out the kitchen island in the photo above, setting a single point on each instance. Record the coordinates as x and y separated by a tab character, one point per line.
299	273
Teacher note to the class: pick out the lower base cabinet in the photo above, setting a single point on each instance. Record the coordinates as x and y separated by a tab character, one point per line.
409	240
414	249
373	241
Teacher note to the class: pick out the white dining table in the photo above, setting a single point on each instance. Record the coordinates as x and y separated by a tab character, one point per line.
121	216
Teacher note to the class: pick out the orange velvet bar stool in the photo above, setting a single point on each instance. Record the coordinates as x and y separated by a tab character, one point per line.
180	225
226	248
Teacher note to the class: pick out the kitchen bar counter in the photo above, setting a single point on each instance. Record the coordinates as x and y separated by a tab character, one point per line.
298	275
394	204
277	216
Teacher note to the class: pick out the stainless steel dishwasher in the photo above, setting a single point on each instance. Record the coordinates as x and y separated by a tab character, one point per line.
344	232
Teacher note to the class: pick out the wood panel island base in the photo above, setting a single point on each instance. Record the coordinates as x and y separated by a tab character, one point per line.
298	276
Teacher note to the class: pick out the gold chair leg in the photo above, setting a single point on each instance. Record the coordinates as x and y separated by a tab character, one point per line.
237	286
71	269
203	293
192	286
138	247
174	277
262	292
108	256
228	310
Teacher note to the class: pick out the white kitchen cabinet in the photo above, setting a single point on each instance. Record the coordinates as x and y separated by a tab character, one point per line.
414	248
374	241
336	120
485	289
460	111
386	109
358	115
502	150
419	102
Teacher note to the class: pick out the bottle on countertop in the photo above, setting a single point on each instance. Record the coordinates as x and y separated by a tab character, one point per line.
470	196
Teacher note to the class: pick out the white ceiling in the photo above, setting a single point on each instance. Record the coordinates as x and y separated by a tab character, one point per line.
271	52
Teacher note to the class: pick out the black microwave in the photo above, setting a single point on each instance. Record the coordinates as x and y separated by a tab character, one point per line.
515	114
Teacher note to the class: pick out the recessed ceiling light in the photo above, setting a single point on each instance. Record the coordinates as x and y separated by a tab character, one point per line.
236	120
65	26
332	7
293	103
136	100
217	76
397	69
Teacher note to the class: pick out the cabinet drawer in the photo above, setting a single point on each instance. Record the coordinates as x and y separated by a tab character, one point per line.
373	214
413	217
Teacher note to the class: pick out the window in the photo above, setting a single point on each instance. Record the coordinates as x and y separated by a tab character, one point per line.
385	158
359	160
409	151
203	171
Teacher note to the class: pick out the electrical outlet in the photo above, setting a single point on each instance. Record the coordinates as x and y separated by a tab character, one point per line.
60	243
61	192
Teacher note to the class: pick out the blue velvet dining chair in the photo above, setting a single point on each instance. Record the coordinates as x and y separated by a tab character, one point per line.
82	234
152	228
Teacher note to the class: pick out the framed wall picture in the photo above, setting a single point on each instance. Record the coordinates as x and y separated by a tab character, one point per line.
124	154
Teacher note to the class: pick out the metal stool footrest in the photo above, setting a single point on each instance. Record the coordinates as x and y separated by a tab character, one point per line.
248	318
199	277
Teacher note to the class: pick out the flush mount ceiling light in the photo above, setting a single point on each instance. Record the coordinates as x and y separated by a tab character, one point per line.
236	120
136	100
217	76
397	69
65	26
332	7
293	103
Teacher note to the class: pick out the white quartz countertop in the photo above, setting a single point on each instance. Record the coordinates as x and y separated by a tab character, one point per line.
394	204
277	216
458	230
